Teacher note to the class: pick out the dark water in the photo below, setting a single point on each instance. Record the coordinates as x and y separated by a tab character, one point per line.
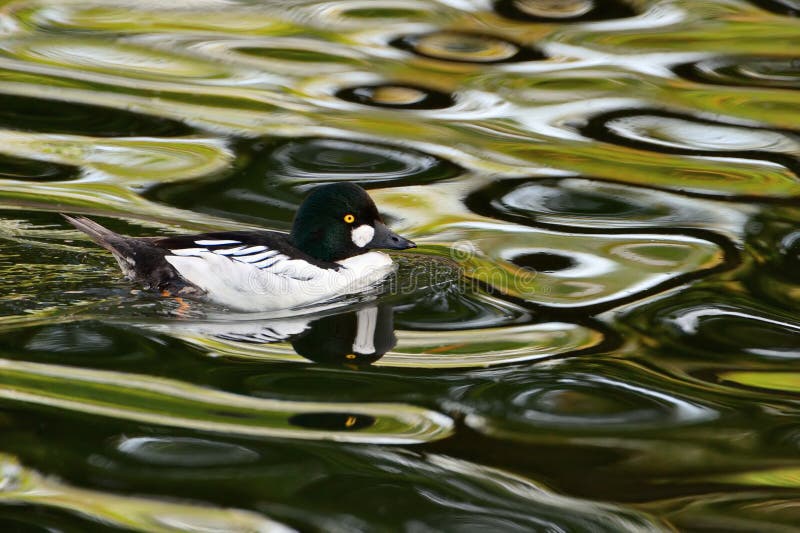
600	330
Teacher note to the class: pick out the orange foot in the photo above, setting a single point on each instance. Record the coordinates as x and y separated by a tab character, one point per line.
183	305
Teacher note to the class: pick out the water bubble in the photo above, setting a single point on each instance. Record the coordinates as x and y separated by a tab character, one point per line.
465	47
563	10
397	96
554	9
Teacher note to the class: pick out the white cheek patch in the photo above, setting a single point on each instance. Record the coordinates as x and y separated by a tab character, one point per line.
362	235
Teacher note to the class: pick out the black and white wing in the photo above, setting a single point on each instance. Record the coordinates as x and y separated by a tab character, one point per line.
266	250
258	255
248	270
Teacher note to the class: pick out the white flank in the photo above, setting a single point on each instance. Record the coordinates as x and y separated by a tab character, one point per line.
284	284
362	235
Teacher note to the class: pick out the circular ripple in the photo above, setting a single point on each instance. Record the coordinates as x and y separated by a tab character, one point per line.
396	96
772	72
292	55
577	402
325	160
274	178
184	451
80	343
709	325
353	91
593	203
432	294
55	116
560	199
683	133
115	58
452	310
563	10
673	133
465	47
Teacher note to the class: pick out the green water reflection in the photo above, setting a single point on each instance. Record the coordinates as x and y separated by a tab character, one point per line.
599	329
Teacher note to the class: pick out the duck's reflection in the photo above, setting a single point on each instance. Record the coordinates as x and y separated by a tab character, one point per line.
361	337
356	337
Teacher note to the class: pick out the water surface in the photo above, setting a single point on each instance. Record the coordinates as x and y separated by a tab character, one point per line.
598	332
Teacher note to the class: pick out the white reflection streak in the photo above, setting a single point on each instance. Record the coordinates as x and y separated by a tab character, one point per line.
688	134
661	15
549	120
690	322
467	5
684	411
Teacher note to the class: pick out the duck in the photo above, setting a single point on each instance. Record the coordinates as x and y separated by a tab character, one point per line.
331	251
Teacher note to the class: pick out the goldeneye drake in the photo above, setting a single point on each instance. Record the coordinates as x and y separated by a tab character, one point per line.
329	253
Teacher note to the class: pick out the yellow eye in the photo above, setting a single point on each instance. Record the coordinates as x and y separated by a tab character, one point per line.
349	218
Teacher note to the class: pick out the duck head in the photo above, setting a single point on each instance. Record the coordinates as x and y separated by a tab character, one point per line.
340	220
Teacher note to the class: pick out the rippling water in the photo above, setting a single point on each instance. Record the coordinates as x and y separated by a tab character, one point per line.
598	332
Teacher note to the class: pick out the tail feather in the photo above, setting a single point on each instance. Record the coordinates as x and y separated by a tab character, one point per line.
139	259
122	248
99	234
